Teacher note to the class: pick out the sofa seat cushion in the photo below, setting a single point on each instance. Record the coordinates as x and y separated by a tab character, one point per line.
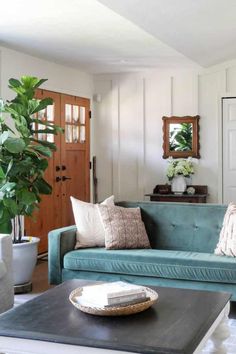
155	263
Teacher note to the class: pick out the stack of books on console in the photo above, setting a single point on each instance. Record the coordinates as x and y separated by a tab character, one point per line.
113	294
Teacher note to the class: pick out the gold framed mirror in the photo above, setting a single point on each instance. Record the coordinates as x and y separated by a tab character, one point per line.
181	136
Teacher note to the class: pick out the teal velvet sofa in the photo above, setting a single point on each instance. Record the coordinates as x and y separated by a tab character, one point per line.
183	238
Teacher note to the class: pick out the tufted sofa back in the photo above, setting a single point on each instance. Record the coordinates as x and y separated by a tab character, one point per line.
181	226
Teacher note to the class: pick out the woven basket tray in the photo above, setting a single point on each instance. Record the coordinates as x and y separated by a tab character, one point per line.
114	311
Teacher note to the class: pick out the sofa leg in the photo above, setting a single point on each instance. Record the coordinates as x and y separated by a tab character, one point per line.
221	333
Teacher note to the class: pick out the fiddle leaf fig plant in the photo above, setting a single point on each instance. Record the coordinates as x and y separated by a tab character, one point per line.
23	156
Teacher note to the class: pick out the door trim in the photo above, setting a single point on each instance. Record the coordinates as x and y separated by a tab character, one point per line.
220	135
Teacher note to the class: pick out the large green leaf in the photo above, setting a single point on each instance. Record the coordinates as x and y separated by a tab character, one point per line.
43	186
22	128
22	167
29	209
48	124
19	90
40	82
5	127
14	145
32	106
5	214
10	164
26	197
43	150
11	205
3	137
45	131
16	109
6	227
50	145
43	104
14	83
2	174
42	164
29	81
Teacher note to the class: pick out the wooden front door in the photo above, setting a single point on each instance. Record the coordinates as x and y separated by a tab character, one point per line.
68	172
75	169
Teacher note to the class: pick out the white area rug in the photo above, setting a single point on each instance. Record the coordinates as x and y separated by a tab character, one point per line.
230	343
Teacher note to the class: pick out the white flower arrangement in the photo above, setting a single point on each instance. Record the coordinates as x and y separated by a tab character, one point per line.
179	167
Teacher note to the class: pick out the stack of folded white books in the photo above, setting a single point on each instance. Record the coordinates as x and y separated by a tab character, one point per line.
112	294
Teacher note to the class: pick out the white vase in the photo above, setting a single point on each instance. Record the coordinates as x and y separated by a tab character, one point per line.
24	260
178	185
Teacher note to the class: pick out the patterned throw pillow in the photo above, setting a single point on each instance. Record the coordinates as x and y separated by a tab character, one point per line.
90	231
124	227
227	240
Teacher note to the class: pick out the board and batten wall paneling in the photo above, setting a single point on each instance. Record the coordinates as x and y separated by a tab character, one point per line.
137	105
185	94
208	169
102	137
157	104
128	172
124	111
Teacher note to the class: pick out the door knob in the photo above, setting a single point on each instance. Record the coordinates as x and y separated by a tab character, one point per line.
64	178
58	168
63	167
58	179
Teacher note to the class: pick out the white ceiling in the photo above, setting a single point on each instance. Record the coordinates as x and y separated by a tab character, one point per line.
203	30
121	35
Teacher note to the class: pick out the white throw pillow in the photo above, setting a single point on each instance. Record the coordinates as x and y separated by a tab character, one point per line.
227	240
90	230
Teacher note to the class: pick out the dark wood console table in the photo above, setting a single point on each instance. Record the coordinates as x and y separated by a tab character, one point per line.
162	193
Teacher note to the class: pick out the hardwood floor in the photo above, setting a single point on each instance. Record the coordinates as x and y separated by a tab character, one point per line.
39	281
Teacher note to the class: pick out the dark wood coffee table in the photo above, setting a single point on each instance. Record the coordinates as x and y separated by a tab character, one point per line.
180	322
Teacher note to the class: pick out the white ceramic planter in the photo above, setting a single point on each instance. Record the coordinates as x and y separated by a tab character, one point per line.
24	260
178	185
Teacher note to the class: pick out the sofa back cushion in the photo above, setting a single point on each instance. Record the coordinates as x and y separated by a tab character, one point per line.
181	226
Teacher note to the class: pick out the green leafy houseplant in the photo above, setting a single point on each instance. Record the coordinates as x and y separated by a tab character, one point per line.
181	137
23	157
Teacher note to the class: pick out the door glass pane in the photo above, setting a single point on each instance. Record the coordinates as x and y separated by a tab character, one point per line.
42	114
82	134
41	136
50	111
50	138
82	115
68	113
75	114
75	133
68	133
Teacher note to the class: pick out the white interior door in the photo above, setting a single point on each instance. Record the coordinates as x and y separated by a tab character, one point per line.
229	150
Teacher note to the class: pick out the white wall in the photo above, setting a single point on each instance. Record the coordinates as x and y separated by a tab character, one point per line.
128	125
60	78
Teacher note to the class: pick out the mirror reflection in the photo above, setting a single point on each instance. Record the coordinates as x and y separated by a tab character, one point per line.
181	137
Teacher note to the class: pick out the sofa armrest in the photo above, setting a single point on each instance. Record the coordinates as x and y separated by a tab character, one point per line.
60	241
